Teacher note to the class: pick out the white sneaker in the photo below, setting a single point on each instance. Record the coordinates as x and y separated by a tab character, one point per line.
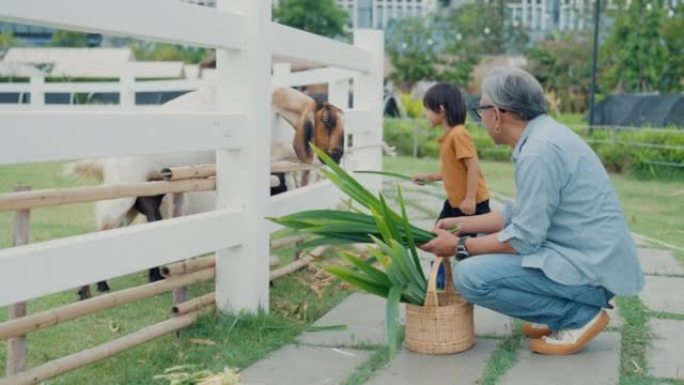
568	341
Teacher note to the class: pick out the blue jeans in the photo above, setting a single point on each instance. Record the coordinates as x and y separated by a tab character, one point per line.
500	282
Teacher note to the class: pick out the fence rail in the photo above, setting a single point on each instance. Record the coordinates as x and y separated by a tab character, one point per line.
291	43
40	136
141	20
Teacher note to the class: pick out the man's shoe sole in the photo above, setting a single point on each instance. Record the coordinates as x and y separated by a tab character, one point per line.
532	332
542	347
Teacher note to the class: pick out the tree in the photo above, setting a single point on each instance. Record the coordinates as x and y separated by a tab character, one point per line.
167	52
429	49
457	68
322	17
672	77
486	29
6	39
411	47
563	68
458	56
74	39
643	52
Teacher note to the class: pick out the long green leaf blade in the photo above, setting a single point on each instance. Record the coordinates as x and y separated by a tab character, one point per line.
409	233
392	319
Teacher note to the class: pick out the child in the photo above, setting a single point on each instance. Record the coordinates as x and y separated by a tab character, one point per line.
463	181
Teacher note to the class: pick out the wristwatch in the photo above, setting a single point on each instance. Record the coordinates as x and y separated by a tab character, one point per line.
461	251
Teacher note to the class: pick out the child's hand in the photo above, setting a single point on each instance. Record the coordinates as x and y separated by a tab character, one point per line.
420	179
467	207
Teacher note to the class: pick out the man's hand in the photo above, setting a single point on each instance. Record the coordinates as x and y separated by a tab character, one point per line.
449	223
467	207
444	245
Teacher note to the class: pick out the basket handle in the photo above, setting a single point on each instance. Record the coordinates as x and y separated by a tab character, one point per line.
431	299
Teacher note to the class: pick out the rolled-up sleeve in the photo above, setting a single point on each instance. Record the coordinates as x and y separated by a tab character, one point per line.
527	220
507	212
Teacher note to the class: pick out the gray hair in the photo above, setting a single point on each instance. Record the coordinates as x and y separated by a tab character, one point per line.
513	89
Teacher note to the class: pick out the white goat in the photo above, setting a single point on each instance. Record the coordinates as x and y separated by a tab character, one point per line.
320	123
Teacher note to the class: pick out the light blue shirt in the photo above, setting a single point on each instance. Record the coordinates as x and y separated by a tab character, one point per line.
566	219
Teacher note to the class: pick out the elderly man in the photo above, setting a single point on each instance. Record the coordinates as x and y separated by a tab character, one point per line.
557	254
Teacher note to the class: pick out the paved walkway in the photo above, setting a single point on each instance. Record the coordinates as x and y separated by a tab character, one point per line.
331	357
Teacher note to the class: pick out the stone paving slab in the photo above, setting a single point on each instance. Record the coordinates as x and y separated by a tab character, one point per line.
412	369
640	241
597	364
491	324
305	365
658	261
615	319
414	214
665	356
664	294
364	315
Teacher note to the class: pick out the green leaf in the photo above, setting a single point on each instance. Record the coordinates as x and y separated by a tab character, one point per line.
389	216
346	182
325	328
392	319
409	233
381	225
358	280
395	175
320	241
368	269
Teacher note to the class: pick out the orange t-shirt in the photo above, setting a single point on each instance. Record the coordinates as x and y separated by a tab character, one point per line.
454	146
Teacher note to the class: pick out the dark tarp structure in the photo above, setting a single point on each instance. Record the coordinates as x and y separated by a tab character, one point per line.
656	110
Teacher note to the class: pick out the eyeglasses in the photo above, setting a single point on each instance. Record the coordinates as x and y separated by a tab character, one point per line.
476	109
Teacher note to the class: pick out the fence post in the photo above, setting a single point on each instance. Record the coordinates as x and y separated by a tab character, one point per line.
338	95
37	87
281	71
127	93
16	346
338	92
243	176
368	91
180	295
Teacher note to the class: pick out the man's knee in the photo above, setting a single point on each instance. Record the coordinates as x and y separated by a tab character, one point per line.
469	279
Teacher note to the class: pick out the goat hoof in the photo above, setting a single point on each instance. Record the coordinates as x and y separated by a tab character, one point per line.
155	275
84	294
102	287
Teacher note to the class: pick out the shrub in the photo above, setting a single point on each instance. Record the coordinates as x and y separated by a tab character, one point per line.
402	134
642	152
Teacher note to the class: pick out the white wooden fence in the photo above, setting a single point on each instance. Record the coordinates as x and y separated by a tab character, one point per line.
239	131
126	88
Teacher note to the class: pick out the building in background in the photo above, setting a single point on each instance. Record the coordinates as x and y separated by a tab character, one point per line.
544	16
378	14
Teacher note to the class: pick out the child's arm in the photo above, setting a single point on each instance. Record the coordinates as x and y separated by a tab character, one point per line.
420	179
469	203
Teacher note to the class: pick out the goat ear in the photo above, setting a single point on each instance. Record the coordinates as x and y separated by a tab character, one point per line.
303	136
339	110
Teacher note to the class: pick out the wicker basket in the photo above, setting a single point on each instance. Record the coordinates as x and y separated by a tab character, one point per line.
444	324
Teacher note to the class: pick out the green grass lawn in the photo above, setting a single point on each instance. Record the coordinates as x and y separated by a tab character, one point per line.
46	223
